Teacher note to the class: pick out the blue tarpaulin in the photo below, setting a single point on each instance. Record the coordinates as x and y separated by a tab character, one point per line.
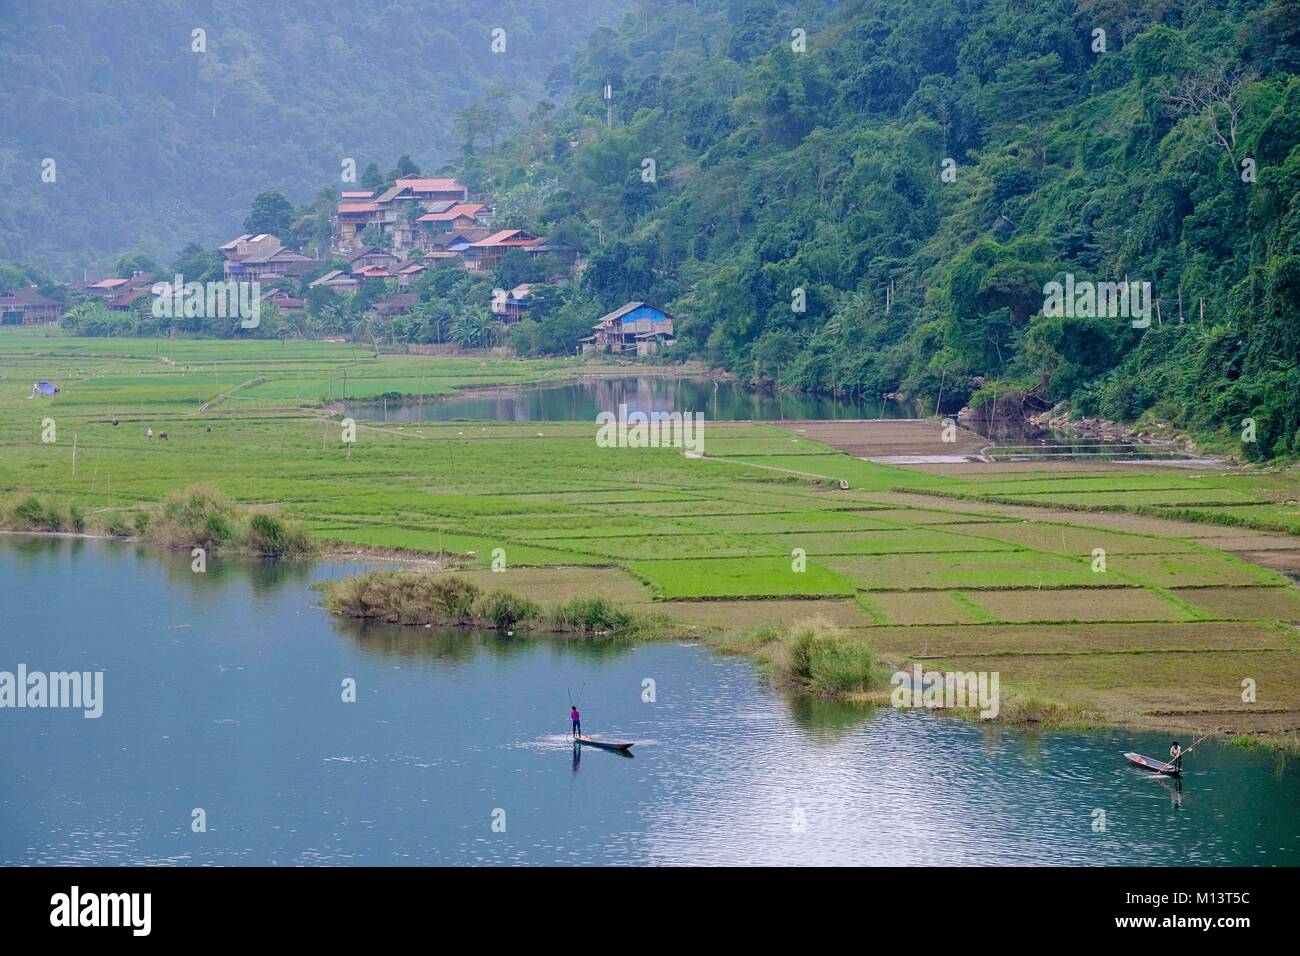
45	388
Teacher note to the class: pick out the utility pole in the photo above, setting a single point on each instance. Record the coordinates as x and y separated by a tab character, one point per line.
609	106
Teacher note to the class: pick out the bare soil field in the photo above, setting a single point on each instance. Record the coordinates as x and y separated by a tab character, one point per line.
1180	690
1030	639
890	438
1246	604
562	584
729	615
1079	604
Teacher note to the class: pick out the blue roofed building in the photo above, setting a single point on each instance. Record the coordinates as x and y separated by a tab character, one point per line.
637	328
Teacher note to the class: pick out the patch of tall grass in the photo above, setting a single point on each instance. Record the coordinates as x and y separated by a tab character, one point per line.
418	597
817	657
199	516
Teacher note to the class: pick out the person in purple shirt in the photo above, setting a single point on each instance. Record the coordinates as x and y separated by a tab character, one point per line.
577	720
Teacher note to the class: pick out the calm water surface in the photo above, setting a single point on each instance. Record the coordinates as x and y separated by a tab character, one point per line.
222	691
582	400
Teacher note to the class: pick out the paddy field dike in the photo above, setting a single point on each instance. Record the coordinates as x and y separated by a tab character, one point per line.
1124	593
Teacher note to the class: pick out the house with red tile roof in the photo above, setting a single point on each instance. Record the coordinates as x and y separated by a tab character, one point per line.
395	211
487	252
120	294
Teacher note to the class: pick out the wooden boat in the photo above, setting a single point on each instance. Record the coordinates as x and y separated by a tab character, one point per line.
603	744
1159	766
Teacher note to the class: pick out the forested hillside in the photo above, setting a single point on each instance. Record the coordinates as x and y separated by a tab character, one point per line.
750	173
157	144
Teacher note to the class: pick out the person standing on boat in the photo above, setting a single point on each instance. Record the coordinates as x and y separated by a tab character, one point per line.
1176	756
577	720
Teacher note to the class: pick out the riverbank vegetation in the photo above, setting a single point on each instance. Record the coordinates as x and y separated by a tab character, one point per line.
816	656
448	600
197	517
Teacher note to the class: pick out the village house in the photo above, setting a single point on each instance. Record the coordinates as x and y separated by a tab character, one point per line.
408	271
282	300
432	189
262	258
248	245
454	216
396	211
637	328
28	307
337	281
350	219
120	295
370	258
104	287
516	303
485	253
394	305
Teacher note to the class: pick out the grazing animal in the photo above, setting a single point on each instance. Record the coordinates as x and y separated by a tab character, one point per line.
162	436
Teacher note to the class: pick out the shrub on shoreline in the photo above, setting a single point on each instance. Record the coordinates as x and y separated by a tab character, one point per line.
199	516
817	657
446	600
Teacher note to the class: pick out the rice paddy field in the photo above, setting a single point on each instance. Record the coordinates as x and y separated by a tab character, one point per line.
1124	593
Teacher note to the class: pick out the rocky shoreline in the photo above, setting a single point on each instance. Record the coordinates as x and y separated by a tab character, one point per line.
1059	419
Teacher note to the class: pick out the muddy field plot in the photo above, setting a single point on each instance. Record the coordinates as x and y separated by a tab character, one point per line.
1072	540
1190	570
889	438
729	615
985	470
919	608
561	584
1030	639
1158	689
1078	604
1244	604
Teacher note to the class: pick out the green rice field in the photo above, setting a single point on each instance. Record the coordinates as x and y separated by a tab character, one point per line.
961	568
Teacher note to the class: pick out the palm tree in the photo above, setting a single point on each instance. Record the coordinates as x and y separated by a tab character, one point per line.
472	330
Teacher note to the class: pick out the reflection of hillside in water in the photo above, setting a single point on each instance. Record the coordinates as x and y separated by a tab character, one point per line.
582	400
441	645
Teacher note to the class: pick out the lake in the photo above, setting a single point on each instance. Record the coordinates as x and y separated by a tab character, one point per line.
222	691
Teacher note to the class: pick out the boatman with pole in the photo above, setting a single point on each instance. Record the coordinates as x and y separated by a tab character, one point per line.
577	720
1176	757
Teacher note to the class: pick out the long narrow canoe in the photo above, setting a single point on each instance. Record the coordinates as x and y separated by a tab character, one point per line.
603	744
1159	766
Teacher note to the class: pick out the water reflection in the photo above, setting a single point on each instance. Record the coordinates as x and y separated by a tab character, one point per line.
583	400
